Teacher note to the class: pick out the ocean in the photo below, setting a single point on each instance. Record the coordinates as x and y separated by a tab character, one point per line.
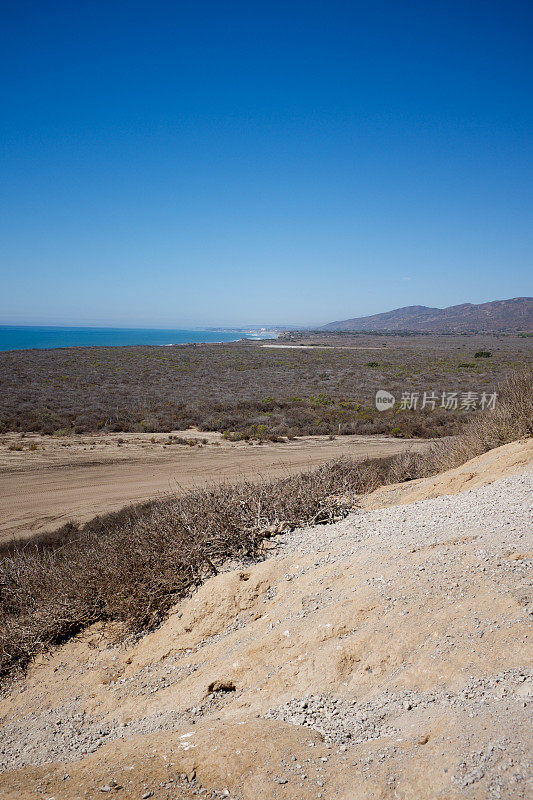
14	337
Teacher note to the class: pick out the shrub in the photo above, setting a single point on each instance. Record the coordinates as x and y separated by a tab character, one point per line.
263	433
483	354
130	567
236	436
268	403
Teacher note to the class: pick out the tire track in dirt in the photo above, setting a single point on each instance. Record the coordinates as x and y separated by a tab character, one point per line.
42	489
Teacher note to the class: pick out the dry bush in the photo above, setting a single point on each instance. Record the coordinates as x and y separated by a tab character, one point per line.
511	419
132	566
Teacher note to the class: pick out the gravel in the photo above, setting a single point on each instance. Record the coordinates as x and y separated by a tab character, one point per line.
347	722
506	503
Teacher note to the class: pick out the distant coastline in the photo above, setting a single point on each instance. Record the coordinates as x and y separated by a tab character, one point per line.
29	337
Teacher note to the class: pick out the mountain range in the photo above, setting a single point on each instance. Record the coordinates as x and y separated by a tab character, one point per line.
515	315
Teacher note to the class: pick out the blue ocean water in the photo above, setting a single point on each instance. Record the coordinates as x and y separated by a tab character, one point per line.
13	337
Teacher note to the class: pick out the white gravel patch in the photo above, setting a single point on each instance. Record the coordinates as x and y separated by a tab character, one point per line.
505	505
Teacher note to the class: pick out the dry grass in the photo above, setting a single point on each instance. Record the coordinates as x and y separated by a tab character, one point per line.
131	567
511	419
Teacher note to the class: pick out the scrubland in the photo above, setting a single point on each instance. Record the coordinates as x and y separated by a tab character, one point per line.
246	390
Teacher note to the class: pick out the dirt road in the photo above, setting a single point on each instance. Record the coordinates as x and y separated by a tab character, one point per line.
52	480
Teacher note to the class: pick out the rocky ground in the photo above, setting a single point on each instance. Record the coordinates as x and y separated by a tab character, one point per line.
386	656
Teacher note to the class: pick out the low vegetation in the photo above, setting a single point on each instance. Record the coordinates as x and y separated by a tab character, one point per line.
247	391
129	568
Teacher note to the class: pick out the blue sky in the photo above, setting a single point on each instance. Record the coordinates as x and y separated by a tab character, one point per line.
167	164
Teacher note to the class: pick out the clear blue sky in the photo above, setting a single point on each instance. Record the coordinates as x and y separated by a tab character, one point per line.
177	163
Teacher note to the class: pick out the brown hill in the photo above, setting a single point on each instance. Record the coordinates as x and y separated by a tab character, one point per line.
500	315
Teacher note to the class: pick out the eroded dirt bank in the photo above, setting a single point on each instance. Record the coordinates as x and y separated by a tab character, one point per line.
386	656
52	480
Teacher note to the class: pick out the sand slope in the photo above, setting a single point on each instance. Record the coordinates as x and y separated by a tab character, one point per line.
385	656
498	463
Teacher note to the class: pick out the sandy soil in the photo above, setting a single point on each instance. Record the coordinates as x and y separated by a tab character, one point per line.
52	480
318	347
381	658
501	462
